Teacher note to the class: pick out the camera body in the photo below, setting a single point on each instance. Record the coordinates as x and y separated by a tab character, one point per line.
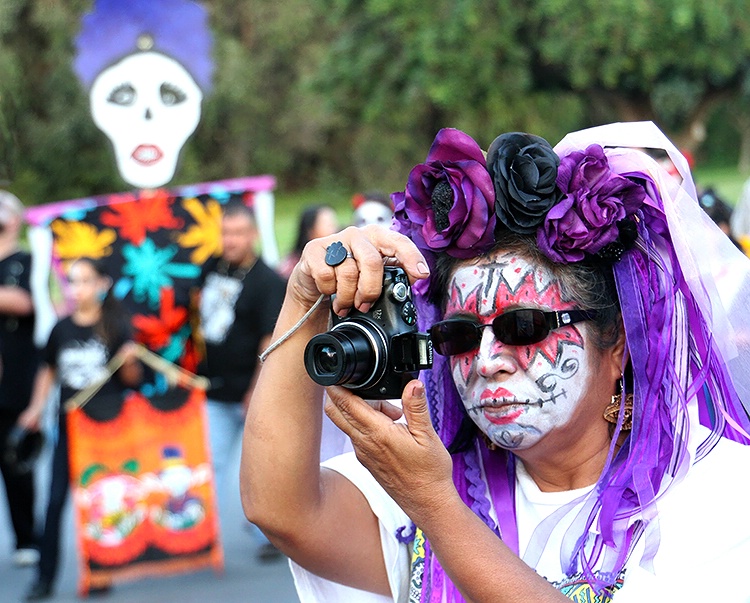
374	353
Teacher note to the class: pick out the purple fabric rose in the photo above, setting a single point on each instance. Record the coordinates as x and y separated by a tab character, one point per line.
449	199
594	200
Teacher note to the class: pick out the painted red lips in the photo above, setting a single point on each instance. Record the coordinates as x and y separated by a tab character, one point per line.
500	406
147	154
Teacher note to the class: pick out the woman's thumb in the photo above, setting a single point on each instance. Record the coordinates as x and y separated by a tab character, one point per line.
415	407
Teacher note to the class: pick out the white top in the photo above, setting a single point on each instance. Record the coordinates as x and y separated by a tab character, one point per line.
704	523
312	588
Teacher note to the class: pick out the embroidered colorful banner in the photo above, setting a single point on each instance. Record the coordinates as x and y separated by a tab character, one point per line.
143	490
143	483
152	242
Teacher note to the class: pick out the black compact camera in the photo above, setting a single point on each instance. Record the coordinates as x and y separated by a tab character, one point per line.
375	353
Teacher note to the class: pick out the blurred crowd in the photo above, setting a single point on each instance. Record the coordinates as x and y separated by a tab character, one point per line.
237	298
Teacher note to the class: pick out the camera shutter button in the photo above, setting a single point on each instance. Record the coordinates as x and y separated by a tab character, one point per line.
400	292
409	313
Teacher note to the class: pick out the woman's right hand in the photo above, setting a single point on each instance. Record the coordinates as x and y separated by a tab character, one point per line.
408	459
302	509
358	280
30	419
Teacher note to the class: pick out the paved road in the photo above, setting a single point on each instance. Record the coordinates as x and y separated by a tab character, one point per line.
244	580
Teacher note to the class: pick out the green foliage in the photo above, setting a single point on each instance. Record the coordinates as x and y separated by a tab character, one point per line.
664	60
51	149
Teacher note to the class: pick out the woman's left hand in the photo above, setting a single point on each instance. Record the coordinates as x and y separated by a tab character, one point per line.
131	371
408	460
128	351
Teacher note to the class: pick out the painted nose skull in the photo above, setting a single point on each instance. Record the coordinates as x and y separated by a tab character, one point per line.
148	105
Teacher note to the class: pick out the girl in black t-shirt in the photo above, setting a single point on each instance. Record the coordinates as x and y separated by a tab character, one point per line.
76	355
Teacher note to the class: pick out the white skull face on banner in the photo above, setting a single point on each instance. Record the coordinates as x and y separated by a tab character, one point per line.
148	105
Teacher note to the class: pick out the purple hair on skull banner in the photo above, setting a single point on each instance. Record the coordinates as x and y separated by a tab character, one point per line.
113	28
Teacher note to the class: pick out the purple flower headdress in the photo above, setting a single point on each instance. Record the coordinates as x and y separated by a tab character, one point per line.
447	206
114	28
597	198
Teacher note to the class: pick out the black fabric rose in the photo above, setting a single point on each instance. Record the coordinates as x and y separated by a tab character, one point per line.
523	168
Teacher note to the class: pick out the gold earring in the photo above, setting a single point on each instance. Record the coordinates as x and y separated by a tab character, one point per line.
612	411
489	443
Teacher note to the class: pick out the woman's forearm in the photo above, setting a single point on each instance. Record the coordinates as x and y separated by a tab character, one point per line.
304	511
414	467
15	301
280	474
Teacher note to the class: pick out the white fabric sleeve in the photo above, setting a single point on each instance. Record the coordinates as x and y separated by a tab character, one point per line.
314	589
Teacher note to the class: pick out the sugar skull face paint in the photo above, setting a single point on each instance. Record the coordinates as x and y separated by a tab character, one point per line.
148	105
517	394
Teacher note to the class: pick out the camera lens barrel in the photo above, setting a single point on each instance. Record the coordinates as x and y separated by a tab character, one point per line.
373	353
350	354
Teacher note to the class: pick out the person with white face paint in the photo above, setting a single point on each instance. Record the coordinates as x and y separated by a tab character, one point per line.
581	433
145	83
519	395
372	208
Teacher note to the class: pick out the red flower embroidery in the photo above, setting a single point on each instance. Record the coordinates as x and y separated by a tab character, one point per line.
134	218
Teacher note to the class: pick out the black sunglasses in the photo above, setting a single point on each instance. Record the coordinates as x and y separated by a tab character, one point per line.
516	327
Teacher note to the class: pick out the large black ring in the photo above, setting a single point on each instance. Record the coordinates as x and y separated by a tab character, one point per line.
336	254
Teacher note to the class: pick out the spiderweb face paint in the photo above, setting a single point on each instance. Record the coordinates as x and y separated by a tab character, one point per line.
516	394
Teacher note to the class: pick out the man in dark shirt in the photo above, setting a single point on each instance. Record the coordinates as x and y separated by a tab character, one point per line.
19	363
240	300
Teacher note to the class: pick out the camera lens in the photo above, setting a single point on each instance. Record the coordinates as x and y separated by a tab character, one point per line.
352	354
326	359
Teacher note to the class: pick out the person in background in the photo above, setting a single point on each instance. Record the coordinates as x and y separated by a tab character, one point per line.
75	357
19	358
372	207
719	211
581	433
239	301
314	222
740	222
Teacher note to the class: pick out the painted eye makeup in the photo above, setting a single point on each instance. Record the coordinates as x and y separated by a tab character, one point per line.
124	95
525	326
171	95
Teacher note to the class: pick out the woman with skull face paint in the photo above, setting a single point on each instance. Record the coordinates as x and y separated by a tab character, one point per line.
581	433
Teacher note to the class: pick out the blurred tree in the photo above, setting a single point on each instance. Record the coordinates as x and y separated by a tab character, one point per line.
262	116
351	92
397	70
549	66
670	61
50	146
736	113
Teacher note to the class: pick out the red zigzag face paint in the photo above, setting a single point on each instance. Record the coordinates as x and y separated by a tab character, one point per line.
516	394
